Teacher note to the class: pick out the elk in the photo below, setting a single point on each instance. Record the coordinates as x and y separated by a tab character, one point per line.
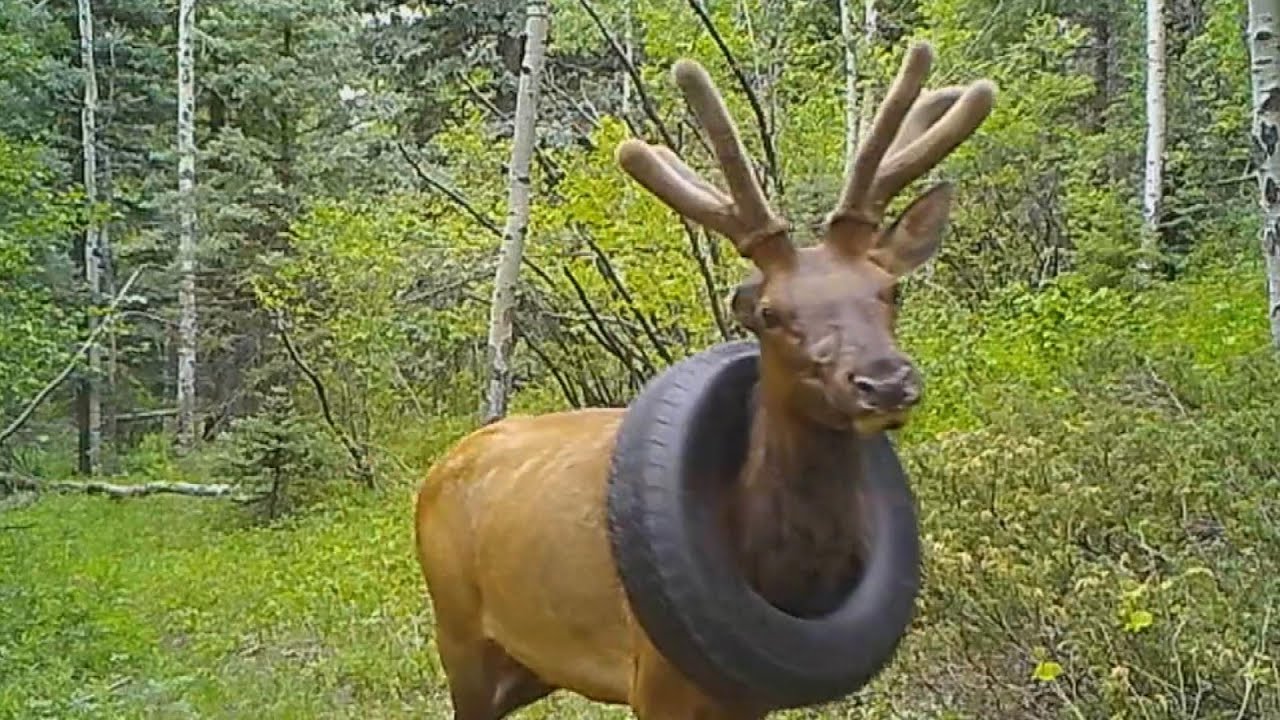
511	525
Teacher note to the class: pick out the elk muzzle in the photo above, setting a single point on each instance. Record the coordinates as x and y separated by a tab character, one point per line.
885	384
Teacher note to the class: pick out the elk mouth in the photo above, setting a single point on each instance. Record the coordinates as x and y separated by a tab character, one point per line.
850	414
872	423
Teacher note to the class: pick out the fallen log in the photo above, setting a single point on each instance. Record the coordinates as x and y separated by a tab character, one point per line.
96	487
144	415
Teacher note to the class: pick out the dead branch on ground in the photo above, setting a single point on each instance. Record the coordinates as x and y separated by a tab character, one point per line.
216	490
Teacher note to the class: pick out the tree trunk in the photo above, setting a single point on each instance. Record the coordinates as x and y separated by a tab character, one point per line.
91	402
870	29
110	399
187	228
1264	51
502	313
107	288
851	115
1153	182
628	41
1099	19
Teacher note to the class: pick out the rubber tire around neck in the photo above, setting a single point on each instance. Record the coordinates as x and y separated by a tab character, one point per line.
678	449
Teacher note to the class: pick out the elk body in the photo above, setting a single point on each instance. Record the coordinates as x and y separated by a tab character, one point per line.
511	524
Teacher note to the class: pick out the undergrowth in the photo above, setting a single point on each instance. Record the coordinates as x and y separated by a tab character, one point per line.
1099	481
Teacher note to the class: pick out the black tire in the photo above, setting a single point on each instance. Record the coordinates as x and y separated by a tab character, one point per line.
679	446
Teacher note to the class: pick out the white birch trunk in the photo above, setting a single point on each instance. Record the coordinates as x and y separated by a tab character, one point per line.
510	254
186	228
1264	51
107	286
1153	181
629	46
870	28
91	458
851	114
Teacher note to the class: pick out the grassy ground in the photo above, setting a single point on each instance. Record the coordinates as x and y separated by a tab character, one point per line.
155	608
1072	448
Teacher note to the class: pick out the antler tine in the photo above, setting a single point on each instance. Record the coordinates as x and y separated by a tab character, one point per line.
756	219
926	110
743	215
893	109
688	173
691	197
933	144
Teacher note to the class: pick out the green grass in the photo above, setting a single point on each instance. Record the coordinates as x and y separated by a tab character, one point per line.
155	608
1099	478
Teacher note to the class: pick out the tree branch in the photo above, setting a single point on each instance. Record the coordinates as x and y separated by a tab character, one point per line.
645	102
565	388
448	192
708	281
607	339
470	209
417	295
357	454
762	124
61	377
143	415
607	271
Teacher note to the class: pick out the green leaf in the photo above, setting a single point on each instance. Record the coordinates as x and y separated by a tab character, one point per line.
1047	671
1138	621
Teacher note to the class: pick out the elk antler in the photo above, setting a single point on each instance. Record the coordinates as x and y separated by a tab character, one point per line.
911	133
743	216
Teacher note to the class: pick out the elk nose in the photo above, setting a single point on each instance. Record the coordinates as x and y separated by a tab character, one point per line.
886	384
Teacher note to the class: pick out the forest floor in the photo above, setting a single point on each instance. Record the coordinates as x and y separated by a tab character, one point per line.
1087	461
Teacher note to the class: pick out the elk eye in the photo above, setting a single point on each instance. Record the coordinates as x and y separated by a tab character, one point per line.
769	317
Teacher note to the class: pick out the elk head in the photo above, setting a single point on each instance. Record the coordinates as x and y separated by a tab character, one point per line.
825	315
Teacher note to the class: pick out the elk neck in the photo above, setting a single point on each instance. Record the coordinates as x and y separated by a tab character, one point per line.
794	513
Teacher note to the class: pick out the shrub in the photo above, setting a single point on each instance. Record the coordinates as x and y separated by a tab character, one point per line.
282	460
1099	525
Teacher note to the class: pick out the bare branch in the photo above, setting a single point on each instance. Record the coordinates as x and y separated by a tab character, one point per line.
607	271
357	453
61	377
416	295
607	339
708	282
470	209
645	102
565	388
448	192
762	123
143	415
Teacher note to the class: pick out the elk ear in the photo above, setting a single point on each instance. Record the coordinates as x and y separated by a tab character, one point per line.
917	234
745	301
